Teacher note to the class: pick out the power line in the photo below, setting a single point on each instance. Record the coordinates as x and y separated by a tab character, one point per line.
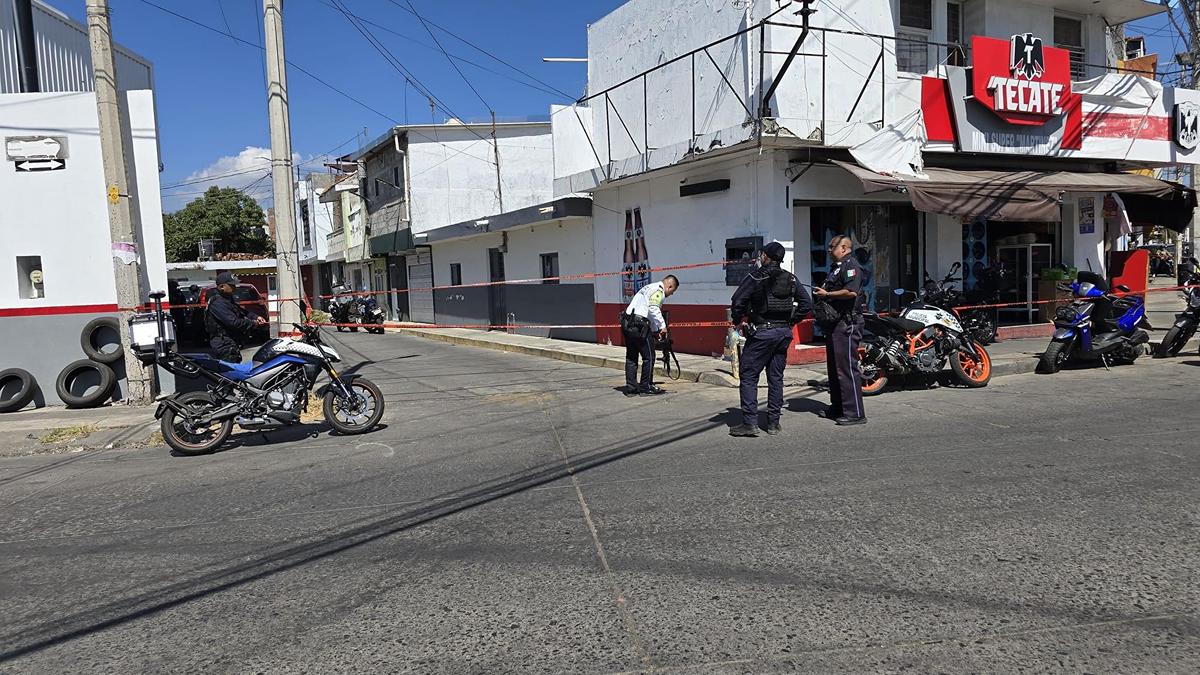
221	6
398	66
456	57
485	52
447	55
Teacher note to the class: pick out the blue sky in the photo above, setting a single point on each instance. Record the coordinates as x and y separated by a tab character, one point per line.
211	92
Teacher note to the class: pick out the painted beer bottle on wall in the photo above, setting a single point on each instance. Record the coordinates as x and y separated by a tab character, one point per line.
627	279
641	255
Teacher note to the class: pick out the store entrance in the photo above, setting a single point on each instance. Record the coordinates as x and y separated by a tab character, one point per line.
1003	263
884	238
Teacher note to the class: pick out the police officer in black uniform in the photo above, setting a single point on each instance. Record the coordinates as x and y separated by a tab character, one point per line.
228	323
771	300
843	290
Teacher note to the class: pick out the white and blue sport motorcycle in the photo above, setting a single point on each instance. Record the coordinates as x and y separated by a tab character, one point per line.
269	392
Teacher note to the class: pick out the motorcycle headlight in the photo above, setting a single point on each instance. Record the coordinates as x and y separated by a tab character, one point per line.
1194	299
1064	313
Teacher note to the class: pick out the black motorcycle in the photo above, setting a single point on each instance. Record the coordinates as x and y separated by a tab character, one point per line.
371	315
344	311
1185	322
269	392
978	324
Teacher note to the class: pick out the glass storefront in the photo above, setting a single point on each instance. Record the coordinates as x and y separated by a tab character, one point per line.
884	238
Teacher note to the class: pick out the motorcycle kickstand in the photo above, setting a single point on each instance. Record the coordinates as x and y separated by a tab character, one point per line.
1104	361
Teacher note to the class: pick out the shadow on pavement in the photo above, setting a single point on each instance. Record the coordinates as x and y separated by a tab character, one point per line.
65	628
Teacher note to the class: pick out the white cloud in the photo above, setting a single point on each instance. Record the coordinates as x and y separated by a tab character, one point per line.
247	170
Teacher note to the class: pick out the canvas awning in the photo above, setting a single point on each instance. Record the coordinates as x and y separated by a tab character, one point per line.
1007	195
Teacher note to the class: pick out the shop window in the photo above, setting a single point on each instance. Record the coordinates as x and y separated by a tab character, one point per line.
29	277
912	39
549	268
1068	35
456	274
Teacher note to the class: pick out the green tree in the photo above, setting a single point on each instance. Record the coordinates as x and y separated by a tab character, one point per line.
221	213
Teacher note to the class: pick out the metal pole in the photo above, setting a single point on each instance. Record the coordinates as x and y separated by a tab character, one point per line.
26	46
287	262
496	152
124	221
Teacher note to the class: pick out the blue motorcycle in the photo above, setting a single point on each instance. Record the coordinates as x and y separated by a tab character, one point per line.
1096	326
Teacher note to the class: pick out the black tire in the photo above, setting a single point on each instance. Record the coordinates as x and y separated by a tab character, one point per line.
331	407
980	372
1173	342
17	388
70	377
986	332
204	442
1052	360
339	328
96	328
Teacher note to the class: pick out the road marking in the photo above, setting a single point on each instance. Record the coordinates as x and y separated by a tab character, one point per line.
618	594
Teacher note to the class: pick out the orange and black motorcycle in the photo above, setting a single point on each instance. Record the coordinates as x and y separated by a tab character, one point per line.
922	339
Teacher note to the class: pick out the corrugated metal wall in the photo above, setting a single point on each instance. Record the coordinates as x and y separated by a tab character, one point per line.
64	58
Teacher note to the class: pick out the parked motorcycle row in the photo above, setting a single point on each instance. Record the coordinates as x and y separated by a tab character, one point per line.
349	312
931	332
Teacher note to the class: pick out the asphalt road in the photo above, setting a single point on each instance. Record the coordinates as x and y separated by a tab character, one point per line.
519	515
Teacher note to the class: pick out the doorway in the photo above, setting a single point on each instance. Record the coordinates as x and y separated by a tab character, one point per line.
497	303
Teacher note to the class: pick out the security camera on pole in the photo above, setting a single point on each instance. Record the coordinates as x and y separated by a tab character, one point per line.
287	257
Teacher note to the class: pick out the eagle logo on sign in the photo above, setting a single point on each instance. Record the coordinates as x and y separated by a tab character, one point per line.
1025	56
1187	125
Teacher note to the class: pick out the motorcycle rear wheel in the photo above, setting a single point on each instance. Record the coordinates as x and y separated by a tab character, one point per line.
970	371
874	380
1053	359
194	440
356	417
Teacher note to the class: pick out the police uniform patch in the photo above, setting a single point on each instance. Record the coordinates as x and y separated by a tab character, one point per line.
850	273
656	298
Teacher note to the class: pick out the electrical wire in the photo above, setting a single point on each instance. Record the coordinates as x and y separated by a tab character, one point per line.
486	52
221	6
452	63
535	87
398	66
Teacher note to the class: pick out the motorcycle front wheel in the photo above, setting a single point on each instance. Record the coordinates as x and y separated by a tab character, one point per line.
972	371
188	438
356	416
1053	359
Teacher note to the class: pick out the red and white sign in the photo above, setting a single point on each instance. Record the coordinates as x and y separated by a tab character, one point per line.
1017	98
1021	80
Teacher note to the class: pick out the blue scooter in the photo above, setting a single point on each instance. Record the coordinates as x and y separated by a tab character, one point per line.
1096	326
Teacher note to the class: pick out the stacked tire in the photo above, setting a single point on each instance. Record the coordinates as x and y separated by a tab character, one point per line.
88	383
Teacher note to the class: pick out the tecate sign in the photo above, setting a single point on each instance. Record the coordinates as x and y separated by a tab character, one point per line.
1022	81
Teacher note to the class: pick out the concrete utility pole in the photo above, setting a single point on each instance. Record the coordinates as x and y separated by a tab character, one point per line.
26	45
287	258
124	221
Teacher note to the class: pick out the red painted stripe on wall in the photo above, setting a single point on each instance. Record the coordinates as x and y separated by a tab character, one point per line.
1126	125
58	309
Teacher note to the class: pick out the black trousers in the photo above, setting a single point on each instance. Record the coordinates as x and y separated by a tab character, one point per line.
841	363
638	347
226	348
767	350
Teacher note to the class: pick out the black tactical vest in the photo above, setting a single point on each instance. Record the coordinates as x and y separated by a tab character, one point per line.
773	299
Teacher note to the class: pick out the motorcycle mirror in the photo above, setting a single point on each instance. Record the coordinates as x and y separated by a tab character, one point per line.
899	291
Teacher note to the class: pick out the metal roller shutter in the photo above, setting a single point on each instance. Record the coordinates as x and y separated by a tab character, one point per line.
420	288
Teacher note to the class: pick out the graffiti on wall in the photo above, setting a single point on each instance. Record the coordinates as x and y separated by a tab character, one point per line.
635	264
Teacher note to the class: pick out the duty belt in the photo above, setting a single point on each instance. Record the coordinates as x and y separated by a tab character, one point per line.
772	324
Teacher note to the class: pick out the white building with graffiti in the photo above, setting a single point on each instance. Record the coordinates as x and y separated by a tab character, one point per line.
932	132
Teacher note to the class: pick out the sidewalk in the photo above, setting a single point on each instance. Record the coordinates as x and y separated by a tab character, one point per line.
55	429
1009	357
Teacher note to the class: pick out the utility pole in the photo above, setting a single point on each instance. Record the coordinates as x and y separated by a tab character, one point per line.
124	221
496	152
26	45
287	259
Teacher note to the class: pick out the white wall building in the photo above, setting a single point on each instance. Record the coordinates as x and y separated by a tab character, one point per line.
697	134
417	178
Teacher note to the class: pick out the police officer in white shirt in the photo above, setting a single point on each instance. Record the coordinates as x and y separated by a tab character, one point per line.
640	324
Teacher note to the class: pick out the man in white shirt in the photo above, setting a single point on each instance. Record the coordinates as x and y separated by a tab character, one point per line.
640	324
